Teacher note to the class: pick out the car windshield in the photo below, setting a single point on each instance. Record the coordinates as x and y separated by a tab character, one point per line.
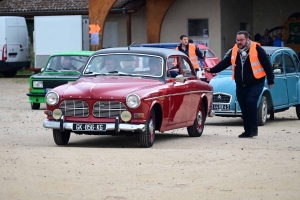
74	63
125	64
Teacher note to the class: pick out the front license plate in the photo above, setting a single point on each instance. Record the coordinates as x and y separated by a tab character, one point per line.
221	106
47	89
89	127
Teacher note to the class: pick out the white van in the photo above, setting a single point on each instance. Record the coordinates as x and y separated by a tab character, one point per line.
14	49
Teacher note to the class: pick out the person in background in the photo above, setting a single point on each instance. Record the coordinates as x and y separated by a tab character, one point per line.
67	64
191	50
155	66
278	42
110	65
266	39
201	62
250	65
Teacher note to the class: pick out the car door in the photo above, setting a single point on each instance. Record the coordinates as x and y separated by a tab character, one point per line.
179	98
279	90
291	78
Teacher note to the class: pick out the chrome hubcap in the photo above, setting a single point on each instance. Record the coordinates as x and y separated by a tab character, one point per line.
264	111
151	129
199	119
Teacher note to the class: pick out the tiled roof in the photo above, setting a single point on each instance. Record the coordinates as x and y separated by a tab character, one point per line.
60	5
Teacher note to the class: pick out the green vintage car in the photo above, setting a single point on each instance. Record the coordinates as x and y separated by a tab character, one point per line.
61	68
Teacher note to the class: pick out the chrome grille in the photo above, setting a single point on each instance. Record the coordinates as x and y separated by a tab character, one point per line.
221	98
108	109
74	108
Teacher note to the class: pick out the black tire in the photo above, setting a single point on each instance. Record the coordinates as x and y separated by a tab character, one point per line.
61	138
262	111
298	111
197	128
9	73
35	106
147	137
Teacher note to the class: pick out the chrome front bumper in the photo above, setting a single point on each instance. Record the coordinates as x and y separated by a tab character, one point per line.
117	127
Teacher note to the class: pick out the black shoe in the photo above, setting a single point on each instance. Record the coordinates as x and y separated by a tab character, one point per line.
245	135
253	134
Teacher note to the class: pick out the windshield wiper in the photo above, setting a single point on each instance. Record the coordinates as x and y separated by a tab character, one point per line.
50	69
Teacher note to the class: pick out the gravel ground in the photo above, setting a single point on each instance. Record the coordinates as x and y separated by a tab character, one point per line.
217	165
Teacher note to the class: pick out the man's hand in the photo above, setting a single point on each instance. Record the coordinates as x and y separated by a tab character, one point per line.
270	86
207	69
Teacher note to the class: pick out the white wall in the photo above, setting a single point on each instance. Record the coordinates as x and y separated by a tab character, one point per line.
176	21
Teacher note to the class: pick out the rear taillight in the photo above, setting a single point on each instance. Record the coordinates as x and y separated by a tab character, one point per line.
4	52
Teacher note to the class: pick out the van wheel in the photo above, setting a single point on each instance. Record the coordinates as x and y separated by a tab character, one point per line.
61	138
197	128
148	135
298	111
262	111
9	73
35	106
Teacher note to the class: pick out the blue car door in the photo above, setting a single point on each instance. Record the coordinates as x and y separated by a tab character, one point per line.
291	78
279	90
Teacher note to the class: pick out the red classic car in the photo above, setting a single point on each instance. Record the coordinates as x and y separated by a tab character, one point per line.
130	90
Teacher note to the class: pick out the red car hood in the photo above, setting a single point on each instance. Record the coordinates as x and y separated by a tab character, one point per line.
107	87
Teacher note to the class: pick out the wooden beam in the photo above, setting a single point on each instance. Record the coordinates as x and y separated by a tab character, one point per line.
128	19
155	13
98	11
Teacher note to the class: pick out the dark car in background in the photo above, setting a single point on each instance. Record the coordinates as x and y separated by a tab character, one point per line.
210	57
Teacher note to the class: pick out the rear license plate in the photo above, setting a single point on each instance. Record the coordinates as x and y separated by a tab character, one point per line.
89	127
221	106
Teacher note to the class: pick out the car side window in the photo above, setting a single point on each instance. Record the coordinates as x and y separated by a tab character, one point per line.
172	67
289	64
187	72
277	62
297	62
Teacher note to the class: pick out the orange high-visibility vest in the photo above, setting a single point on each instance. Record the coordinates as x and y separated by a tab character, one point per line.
257	68
192	55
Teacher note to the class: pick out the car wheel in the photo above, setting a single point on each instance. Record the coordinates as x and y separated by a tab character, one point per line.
35	106
262	111
197	128
147	137
298	111
61	138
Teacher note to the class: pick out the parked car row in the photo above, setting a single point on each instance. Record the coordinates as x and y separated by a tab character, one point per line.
133	90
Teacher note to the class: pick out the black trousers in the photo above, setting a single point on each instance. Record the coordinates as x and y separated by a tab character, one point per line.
247	98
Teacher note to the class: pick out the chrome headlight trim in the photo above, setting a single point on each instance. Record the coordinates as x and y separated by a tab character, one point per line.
37	84
52	98
133	101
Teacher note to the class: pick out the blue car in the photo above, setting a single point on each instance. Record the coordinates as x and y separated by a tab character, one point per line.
284	94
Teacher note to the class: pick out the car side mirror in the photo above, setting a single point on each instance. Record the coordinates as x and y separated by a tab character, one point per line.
277	71
42	69
179	78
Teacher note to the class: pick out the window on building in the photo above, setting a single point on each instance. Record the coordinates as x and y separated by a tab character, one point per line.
198	27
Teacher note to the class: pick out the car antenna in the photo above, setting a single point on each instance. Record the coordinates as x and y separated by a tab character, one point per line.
130	45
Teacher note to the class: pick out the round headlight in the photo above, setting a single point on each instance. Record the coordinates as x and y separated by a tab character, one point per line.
52	98
133	101
57	114
125	116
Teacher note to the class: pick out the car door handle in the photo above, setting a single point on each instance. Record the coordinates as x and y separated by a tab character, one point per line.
297	76
284	78
21	49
